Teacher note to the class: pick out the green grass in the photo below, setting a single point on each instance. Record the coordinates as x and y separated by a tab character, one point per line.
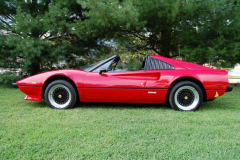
31	130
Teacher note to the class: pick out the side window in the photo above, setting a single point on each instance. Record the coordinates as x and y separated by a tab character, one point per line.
103	67
128	65
155	64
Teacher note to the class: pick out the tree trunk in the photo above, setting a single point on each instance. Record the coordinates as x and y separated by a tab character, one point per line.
34	68
166	42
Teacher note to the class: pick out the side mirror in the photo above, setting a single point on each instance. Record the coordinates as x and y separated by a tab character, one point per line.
102	71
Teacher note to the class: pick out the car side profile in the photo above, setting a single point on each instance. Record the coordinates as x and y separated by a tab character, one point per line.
183	85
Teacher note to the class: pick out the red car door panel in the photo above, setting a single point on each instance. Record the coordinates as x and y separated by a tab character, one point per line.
114	86
154	92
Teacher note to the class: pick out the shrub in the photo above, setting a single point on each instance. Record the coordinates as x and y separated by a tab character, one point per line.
9	78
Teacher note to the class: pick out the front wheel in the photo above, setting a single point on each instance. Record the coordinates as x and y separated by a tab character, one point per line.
60	94
185	96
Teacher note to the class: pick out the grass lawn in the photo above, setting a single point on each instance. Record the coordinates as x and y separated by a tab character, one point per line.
31	130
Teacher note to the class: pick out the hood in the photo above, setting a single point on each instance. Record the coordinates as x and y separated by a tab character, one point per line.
39	79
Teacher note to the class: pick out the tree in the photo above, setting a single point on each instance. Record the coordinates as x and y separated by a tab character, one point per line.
37	34
199	31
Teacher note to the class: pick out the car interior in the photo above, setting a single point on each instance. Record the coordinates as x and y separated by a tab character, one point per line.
118	65
115	64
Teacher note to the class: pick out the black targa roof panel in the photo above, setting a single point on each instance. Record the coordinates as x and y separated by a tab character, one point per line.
155	64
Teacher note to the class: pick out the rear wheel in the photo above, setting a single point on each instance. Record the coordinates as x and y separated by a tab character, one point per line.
60	94
185	96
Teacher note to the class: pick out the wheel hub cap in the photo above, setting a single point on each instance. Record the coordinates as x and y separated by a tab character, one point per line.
185	97
60	95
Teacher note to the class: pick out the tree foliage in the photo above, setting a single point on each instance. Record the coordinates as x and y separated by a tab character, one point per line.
198	31
37	35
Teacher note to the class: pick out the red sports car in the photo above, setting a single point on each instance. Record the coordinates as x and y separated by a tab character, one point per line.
158	80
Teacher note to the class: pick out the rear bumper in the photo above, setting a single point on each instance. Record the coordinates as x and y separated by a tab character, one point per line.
15	85
229	88
211	94
214	93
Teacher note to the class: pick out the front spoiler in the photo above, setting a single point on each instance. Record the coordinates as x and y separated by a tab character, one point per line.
15	85
229	88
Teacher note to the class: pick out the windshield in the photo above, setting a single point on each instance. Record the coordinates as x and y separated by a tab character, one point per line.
92	67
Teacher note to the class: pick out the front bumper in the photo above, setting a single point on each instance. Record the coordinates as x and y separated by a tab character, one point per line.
33	93
229	88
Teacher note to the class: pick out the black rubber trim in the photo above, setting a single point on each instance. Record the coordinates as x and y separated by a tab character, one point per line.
121	88
15	85
216	89
229	88
28	86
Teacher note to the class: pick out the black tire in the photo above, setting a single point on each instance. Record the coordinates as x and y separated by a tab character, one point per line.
185	96
60	94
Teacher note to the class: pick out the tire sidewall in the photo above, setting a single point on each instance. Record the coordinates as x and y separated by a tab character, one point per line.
179	85
71	89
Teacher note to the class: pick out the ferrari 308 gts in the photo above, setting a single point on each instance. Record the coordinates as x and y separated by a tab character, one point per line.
183	85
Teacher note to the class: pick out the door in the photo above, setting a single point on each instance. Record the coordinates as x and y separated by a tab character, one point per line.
154	92
114	86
